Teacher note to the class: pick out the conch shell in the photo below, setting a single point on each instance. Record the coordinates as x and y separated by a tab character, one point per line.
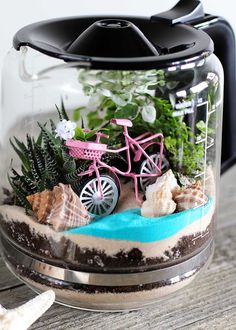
158	203
41	203
190	197
168	178
60	207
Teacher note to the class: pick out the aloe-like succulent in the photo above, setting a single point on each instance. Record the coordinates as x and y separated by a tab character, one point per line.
45	162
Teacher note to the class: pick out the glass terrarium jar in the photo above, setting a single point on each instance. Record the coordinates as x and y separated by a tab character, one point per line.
109	174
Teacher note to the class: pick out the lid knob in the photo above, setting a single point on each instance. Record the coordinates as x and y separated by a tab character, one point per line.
112	38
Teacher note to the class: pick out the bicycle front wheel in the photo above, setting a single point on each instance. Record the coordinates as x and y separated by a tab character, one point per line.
90	195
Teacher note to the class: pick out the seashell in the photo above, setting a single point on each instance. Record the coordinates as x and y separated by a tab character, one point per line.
167	178
21	318
159	202
184	180
60	207
41	203
160	208
197	185
153	193
189	198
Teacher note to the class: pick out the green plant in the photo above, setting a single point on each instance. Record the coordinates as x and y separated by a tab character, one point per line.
42	165
132	95
45	162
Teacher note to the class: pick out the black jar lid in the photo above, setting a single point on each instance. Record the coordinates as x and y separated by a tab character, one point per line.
128	43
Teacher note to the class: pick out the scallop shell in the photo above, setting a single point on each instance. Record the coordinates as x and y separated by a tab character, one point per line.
189	198
60	207
166	178
22	317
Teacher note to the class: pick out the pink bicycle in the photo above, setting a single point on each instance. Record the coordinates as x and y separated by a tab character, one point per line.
100	192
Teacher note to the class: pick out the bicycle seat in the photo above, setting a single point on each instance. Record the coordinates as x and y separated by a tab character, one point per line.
122	122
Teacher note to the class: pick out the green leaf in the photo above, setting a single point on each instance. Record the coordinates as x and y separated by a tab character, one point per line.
129	111
79	134
76	113
22	152
63	111
90	134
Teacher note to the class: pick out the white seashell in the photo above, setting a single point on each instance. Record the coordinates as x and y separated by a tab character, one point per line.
158	209
153	193
60	207
158	202
147	210
21	318
189	198
168	178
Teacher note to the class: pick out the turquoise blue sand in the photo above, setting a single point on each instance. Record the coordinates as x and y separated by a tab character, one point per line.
130	225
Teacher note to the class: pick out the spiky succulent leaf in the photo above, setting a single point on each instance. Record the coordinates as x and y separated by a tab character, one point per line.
21	151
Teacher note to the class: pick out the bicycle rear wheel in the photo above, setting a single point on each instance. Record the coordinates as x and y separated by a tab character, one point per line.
147	168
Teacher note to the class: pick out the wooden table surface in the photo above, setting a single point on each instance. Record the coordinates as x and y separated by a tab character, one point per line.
209	303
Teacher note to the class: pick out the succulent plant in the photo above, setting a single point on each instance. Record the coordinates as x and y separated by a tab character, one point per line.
44	163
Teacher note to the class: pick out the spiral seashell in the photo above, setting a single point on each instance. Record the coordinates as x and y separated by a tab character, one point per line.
189	198
160	208
60	207
159	202
167	178
41	203
163	193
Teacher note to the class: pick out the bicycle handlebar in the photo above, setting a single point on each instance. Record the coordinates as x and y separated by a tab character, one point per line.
101	135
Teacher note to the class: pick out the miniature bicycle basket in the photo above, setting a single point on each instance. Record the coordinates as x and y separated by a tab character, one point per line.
86	150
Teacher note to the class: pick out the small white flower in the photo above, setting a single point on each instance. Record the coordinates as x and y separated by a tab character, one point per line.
65	129
149	114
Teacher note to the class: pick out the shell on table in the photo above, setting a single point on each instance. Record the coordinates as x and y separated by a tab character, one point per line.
60	207
167	179
189	198
24	316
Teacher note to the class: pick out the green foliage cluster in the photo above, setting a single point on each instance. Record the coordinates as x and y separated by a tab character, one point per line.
124	94
45	162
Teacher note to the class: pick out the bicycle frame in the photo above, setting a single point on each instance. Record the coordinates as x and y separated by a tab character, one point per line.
146	140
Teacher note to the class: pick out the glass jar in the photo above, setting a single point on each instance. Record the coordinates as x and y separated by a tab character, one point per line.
109	178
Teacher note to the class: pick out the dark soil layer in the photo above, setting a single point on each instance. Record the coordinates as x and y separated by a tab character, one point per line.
66	253
92	289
